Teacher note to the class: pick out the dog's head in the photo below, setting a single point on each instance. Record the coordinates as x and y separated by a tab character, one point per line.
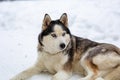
55	35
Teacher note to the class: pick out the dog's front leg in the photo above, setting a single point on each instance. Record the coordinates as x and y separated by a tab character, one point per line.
62	75
65	73
27	73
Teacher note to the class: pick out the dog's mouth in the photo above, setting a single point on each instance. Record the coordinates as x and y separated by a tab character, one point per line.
60	51
63	49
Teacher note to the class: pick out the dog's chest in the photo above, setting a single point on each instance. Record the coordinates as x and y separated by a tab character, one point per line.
53	63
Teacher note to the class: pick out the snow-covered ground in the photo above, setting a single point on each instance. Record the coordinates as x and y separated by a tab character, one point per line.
20	24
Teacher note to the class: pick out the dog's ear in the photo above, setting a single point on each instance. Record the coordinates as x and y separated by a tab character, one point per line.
64	19
46	21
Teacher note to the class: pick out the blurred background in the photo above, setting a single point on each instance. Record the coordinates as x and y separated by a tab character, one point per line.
21	20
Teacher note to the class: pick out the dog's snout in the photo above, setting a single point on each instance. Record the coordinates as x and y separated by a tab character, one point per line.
62	45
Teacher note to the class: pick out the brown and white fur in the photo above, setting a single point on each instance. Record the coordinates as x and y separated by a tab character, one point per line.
61	54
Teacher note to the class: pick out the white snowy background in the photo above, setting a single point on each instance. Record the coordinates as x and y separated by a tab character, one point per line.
20	24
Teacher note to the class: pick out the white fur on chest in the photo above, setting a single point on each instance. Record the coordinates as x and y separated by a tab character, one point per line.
52	63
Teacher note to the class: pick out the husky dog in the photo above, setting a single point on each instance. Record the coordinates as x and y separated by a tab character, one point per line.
61	53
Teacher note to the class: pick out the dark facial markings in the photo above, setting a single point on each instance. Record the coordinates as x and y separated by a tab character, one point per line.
50	29
63	34
54	35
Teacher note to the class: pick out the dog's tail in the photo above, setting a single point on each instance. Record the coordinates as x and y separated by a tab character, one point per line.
114	75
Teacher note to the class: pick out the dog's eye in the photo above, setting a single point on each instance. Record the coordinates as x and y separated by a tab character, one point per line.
63	34
54	35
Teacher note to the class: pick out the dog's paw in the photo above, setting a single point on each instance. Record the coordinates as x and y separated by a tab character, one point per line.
61	76
99	78
18	77
84	79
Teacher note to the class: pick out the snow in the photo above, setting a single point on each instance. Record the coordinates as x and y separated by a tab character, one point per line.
20	24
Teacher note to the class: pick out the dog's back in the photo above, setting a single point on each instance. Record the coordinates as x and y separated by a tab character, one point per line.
102	58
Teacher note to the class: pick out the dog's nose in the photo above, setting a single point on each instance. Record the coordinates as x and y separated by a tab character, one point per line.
62	45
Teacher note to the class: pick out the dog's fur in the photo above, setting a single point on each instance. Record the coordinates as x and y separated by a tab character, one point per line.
61	53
